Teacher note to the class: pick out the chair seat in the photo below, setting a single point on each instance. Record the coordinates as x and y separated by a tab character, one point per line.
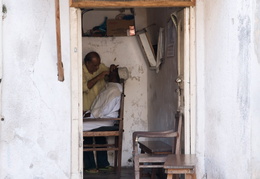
107	128
180	161
152	158
181	164
155	147
101	133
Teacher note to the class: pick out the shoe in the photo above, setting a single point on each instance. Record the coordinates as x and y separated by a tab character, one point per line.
91	170
107	168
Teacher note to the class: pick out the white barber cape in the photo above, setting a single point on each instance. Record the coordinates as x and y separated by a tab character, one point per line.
106	105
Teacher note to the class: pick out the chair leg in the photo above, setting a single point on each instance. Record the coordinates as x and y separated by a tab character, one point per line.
116	154
190	176
141	170
169	176
136	167
119	162
153	174
115	160
119	156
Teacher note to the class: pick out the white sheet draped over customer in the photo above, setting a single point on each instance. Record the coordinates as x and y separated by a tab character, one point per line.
106	105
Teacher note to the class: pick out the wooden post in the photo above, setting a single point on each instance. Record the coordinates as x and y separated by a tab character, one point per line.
59	61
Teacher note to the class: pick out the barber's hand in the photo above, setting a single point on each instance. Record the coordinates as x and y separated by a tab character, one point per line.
104	73
113	67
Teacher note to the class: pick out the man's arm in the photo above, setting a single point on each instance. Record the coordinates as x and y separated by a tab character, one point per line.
86	79
93	81
101	76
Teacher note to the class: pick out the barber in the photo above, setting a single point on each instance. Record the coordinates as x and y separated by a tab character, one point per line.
93	74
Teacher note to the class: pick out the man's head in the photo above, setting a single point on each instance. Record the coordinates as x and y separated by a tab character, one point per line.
117	73
113	75
92	61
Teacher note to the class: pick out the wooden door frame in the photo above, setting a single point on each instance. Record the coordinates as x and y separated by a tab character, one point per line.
76	170
190	83
188	77
128	4
76	90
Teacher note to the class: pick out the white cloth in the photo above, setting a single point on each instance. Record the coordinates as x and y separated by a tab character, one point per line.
106	105
123	73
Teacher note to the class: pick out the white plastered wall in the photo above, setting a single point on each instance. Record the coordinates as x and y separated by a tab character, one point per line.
35	133
254	89
228	69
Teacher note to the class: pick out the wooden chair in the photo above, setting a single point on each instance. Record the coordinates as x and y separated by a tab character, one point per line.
115	131
154	158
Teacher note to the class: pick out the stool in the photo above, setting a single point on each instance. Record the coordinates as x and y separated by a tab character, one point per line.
180	164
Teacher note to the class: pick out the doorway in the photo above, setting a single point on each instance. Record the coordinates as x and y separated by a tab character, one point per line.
76	92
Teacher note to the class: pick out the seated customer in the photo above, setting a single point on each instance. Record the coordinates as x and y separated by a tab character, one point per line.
106	105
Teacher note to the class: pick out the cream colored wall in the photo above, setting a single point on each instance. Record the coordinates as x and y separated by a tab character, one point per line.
125	51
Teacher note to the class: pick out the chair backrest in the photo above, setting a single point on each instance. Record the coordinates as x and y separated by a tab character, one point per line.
174	133
178	128
121	110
